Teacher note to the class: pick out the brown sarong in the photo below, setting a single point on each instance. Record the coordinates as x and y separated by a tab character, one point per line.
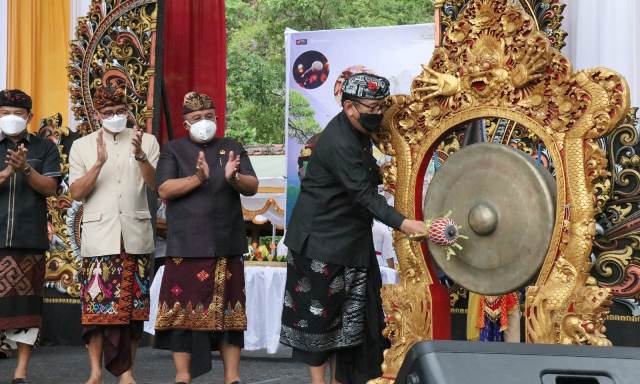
21	288
202	295
115	301
201	306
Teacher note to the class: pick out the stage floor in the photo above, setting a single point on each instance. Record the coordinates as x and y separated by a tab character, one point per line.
69	365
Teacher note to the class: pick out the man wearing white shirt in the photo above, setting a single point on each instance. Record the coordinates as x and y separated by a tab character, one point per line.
383	244
110	172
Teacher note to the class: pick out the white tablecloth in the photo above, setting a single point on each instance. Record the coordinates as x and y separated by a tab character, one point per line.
264	287
154	295
265	293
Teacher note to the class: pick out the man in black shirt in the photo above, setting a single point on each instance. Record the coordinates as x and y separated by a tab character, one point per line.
202	301
30	172
332	304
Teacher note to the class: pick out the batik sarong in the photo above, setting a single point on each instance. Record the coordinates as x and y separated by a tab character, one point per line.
201	305
333	309
21	288
115	301
323	305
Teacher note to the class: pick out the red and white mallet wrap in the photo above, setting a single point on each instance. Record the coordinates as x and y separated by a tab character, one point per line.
443	232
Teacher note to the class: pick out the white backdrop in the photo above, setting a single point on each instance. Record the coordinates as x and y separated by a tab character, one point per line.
605	34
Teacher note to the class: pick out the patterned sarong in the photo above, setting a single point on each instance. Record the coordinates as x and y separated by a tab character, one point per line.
202	295
324	305
115	289
336	310
115	301
21	288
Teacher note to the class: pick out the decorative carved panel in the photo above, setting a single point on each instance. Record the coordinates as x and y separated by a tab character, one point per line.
496	63
115	44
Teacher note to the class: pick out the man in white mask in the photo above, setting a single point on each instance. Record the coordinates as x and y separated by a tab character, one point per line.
29	173
202	178
110	172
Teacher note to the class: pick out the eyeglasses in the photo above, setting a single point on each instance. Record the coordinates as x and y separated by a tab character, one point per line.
17	113
110	114
376	108
207	116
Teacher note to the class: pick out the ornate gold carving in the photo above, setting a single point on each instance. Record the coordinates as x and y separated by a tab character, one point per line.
546	13
114	45
549	308
595	164
586	324
495	62
549	304
408	310
617	244
63	263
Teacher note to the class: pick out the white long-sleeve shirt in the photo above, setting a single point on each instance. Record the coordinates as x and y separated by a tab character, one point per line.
383	244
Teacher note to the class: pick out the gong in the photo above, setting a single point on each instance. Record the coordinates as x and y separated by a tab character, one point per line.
505	205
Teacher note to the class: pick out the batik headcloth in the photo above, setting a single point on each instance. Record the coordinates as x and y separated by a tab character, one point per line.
194	101
109	96
15	98
365	86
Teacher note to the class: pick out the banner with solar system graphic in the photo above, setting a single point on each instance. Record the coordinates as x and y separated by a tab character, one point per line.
318	62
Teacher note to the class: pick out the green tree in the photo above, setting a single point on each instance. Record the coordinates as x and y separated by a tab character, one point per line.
255	52
302	123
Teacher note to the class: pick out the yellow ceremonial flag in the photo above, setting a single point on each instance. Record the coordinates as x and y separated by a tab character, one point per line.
39	53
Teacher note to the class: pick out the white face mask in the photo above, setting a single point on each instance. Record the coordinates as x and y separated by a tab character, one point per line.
12	125
115	123
202	131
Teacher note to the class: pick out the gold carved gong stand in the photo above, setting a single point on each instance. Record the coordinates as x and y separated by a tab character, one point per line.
494	62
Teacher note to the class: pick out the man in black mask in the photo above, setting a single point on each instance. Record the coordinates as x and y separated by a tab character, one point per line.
332	308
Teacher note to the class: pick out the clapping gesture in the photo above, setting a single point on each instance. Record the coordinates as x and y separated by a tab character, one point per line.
232	167
101	148
202	168
17	159
136	142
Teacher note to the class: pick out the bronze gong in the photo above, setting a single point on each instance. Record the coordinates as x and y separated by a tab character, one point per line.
505	204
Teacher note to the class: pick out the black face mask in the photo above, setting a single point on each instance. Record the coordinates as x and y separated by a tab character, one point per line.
371	121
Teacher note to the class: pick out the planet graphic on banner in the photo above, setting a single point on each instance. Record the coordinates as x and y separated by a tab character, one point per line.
311	69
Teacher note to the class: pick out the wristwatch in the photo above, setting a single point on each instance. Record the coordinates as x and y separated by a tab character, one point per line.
27	170
235	178
141	157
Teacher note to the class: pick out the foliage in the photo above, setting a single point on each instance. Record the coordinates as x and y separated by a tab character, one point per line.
255	52
302	123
